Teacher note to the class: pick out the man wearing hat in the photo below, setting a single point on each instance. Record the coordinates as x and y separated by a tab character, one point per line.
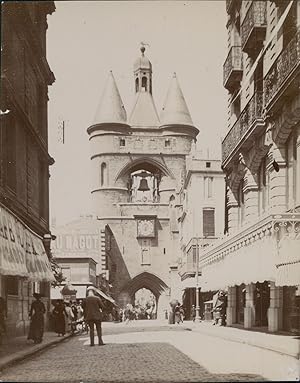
93	314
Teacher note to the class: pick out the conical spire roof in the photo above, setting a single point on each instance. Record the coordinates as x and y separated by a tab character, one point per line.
175	110
144	113
111	108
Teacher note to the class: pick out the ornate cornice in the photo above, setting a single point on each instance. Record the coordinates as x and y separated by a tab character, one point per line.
269	226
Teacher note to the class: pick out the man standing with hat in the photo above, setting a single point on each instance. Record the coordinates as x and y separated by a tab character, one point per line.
93	314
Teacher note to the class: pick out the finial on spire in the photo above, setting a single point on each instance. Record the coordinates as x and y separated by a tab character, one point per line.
143	45
174	75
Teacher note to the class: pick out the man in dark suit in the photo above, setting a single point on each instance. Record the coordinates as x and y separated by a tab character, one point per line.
93	314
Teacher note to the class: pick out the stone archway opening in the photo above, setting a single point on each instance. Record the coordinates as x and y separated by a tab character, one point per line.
158	288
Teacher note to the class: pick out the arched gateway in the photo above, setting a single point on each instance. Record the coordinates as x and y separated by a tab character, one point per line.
150	282
138	169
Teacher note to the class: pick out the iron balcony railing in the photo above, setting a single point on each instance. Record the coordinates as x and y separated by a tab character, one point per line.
252	112
284	66
233	67
255	18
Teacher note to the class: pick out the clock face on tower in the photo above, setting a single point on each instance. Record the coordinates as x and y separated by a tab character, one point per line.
146	228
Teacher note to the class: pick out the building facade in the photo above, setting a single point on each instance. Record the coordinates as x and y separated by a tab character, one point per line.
201	220
139	167
258	261
77	251
24	160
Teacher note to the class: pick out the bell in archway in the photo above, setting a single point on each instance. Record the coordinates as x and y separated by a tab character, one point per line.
143	185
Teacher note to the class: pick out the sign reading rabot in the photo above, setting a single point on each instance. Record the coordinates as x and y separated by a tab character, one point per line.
70	244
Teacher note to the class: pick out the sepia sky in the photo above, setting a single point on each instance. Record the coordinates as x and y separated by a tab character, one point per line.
87	39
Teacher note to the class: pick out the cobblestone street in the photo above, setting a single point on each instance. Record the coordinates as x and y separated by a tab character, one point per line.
131	354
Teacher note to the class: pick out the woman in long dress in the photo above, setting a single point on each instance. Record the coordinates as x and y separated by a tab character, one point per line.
69	317
37	311
59	318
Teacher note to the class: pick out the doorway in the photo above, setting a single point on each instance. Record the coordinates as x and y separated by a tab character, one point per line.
240	303
262	303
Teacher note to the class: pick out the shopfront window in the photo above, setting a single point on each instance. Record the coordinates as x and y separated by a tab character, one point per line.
12	285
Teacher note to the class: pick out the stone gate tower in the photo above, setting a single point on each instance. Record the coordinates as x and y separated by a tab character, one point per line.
138	167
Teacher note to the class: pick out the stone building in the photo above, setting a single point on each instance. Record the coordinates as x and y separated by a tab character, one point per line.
139	167
259	259
24	160
201	220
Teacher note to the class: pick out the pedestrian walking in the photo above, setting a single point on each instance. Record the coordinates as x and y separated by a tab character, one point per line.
193	313
181	314
69	317
93	315
36	314
59	315
127	313
177	314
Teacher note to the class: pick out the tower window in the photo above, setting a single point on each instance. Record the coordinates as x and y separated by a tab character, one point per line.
167	143
144	83
136	84
103	174
208	164
122	141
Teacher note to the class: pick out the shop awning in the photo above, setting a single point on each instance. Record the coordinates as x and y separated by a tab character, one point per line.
288	260
22	252
103	295
247	264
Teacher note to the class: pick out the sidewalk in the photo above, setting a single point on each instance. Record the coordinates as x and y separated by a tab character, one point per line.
283	344
19	348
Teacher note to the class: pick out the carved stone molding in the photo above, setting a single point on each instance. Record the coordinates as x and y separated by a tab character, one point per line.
274	226
284	122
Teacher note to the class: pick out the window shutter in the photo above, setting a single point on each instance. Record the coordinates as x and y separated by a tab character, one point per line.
209	222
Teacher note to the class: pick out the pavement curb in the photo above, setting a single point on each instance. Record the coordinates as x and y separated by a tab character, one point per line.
24	354
248	341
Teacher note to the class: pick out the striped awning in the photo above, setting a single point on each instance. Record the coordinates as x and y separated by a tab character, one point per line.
22	252
288	260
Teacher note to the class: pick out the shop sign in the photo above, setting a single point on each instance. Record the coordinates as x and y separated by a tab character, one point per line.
22	253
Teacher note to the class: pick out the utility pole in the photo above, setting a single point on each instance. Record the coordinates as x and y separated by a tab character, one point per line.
197	317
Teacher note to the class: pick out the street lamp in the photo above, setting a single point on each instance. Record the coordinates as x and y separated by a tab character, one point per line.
197	317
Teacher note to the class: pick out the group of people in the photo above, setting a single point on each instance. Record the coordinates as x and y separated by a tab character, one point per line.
130	313
67	316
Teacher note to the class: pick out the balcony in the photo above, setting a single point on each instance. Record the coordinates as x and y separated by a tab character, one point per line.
246	125
233	68
187	270
265	250
232	4
189	267
283	72
253	29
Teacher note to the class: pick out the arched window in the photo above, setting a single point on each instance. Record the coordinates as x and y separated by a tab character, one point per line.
144	83
136	84
103	175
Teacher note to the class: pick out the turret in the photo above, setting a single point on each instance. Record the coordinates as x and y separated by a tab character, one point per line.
111	114
175	118
144	114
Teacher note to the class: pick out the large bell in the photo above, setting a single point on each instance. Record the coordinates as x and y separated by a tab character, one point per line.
143	185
